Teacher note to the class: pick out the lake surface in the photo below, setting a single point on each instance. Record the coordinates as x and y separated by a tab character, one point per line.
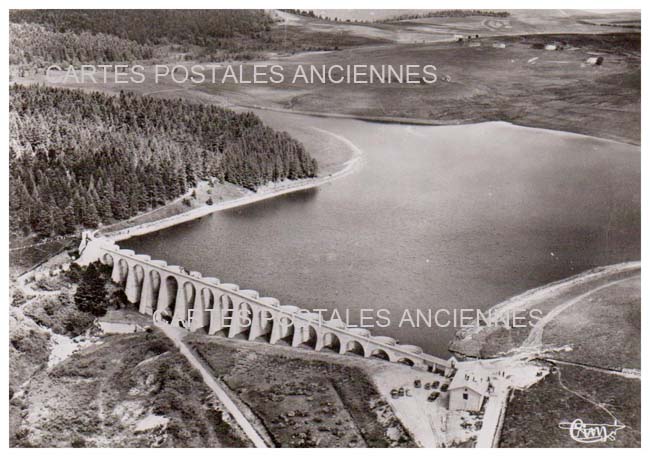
436	217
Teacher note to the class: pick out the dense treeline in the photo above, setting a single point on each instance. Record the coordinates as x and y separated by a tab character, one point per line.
80	159
401	17
46	37
153	27
447	13
35	45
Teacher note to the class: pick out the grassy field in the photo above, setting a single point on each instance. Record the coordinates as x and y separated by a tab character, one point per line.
533	416
588	343
605	328
147	397
518	83
432	29
304	401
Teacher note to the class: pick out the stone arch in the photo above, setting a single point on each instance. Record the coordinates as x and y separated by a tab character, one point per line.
107	259
283	328
139	272
184	303
309	337
207	298
133	288
124	268
380	354
120	271
190	293
167	298
227	310
242	320
262	326
154	277
354	347
150	291
189	301
331	342
203	306
406	361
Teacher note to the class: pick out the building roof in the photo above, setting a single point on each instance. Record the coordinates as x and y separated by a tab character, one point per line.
468	380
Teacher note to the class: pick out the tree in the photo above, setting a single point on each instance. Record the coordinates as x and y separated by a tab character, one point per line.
91	296
111	157
69	220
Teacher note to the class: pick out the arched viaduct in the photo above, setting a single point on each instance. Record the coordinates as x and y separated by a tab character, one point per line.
189	300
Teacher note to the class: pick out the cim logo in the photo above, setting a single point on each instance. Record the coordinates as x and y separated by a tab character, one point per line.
591	433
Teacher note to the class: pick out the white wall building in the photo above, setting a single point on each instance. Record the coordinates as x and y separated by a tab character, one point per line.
467	392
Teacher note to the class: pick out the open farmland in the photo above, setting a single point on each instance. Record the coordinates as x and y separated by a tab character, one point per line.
388	26
518	83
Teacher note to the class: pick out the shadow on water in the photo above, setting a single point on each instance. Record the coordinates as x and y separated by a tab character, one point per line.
265	207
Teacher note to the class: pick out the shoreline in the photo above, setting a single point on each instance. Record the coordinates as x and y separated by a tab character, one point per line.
462	343
422	122
271	190
265	192
212	98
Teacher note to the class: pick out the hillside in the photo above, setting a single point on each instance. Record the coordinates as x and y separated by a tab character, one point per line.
198	27
81	159
39	38
590	337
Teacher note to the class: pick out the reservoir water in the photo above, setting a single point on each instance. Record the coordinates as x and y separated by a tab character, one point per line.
435	217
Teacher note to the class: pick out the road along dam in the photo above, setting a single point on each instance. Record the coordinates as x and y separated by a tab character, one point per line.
188	300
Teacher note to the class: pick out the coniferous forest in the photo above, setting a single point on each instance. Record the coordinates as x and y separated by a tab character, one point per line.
198	27
79	159
39	38
38	46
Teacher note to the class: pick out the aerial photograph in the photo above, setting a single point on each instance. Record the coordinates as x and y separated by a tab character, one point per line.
326	228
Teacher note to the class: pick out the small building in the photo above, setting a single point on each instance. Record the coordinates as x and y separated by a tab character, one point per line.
595	60
551	47
499	45
110	328
467	392
117	321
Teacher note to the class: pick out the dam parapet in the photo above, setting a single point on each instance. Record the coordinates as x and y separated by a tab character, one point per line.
188	300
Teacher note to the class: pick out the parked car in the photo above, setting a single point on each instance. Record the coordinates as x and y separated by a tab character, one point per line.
427	386
394	393
433	396
417	383
444	388
401	391
435	384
